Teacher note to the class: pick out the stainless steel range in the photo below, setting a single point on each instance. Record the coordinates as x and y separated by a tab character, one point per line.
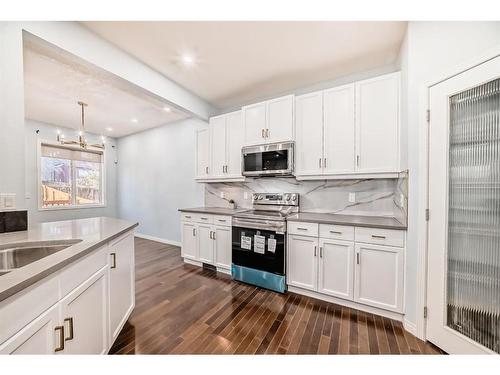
259	240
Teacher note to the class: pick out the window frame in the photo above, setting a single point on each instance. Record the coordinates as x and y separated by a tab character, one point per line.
74	206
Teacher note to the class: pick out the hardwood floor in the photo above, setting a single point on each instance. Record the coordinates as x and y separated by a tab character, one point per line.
184	309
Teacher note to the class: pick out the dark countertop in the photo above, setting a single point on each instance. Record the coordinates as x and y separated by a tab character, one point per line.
214	210
352	220
93	232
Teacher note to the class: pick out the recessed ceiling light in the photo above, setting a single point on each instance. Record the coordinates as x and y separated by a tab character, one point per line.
187	60
134	120
109	129
167	109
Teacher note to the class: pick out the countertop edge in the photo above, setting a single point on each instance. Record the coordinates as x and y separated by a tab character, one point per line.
213	210
350	224
11	291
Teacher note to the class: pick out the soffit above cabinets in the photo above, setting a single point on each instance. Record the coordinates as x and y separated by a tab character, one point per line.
236	63
55	81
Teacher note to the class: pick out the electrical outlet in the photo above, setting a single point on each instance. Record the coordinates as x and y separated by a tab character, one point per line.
352	197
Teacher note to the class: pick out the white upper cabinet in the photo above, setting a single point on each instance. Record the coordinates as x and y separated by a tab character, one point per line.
217	126
377	124
309	131
270	121
234	143
339	130
280	119
202	153
219	153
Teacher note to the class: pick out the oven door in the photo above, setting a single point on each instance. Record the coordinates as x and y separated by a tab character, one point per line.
259	249
268	160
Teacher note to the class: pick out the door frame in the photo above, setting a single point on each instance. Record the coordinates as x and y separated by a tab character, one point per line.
419	328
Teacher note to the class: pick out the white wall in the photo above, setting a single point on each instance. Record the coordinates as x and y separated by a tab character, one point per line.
431	48
156	171
47	132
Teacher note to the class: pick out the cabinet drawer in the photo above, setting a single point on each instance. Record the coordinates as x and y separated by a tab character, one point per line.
377	236
222	220
188	216
77	273
204	218
303	229
337	232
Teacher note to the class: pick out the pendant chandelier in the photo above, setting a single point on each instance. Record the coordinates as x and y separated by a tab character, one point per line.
82	141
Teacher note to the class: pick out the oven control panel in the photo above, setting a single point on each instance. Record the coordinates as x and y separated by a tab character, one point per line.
282	199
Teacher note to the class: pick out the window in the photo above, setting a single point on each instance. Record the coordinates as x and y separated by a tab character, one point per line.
70	177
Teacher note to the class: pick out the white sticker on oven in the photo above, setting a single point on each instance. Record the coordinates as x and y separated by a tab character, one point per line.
259	245
246	242
271	245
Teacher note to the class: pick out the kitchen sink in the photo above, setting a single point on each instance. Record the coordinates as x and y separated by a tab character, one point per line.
16	255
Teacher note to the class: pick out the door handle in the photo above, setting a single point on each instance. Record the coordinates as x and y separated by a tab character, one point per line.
324	162
320	162
378	237
357	160
71	335
335	232
61	338
194	232
357	258
267	133
262	133
206	170
210	235
113	258
301	228
321	251
213	236
315	248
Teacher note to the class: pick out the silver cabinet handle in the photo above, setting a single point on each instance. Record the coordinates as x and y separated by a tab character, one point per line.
113	258
357	258
262	133
315	248
213	235
204	218
378	237
187	217
321	251
206	170
267	133
324	162
335	232
194	232
301	228
71	333
222	220
320	162
357	160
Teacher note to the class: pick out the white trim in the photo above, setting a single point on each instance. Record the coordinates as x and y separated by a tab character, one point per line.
158	239
346	176
410	327
350	304
423	185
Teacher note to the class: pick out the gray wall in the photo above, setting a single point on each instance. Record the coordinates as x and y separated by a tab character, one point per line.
156	171
48	132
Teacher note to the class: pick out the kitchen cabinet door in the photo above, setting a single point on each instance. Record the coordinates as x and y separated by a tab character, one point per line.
205	243
121	283
377	124
254	120
38	337
339	130
218	145
203	153
235	138
223	247
189	249
336	268
379	276
280	119
309	134
302	262
85	316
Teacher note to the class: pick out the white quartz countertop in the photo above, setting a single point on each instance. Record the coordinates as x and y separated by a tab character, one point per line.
351	220
214	210
93	232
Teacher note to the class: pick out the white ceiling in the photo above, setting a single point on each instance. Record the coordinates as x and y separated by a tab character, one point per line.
55	81
241	62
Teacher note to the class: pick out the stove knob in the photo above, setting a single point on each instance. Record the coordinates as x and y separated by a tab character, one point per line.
294	197
255	197
261	197
287	197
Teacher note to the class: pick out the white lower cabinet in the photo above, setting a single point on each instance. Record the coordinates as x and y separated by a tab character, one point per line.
38	337
379	276
365	273
207	239
302	262
335	268
121	283
84	319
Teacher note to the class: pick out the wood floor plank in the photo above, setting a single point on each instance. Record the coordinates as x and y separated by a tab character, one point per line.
184	309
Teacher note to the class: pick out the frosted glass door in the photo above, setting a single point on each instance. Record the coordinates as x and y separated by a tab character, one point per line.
464	173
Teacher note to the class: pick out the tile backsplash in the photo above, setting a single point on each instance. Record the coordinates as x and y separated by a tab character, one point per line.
373	197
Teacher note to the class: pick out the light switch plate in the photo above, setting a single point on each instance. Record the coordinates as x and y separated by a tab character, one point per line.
8	201
352	197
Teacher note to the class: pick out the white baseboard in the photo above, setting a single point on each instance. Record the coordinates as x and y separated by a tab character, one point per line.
410	327
158	239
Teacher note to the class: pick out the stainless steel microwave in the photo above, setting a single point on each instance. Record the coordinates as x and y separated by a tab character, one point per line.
275	159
